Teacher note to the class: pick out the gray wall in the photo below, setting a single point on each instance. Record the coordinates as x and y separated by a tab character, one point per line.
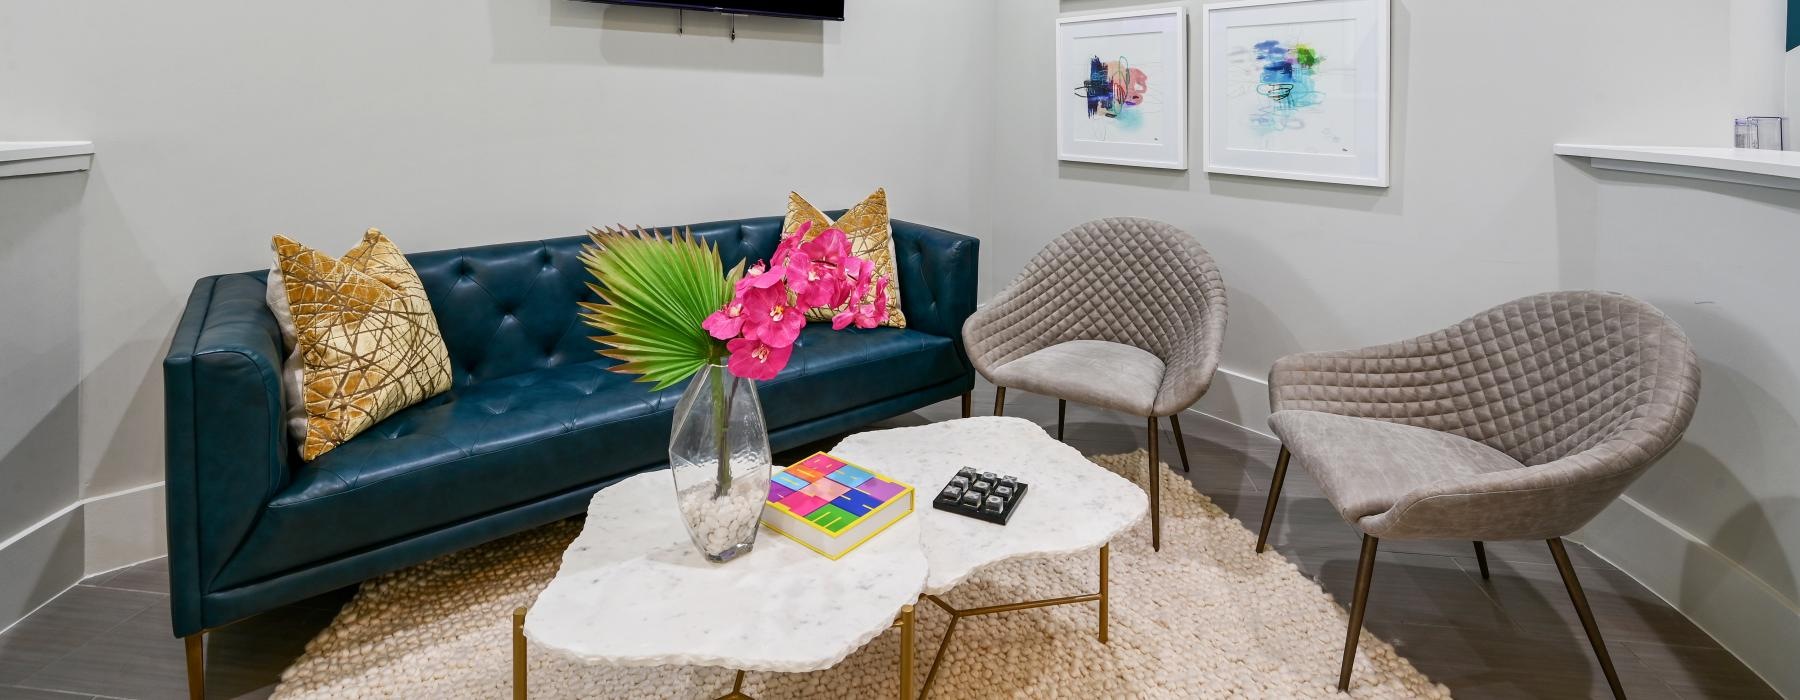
1480	213
218	123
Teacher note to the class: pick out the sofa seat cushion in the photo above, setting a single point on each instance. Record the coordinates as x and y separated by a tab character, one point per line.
833	371
504	442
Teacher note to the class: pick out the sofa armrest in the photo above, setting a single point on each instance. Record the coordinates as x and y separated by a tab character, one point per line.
939	272
226	446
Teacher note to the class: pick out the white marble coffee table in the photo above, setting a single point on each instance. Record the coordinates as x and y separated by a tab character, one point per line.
783	608
633	591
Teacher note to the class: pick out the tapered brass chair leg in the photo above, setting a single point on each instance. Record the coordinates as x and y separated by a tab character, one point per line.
1155	491
1586	614
999	401
968	403
1281	464
1062	413
1180	442
196	665
1365	570
1481	558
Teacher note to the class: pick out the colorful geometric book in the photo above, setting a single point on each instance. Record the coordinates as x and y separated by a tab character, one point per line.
832	506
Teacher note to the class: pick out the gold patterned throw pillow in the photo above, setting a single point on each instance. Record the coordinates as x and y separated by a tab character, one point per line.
362	340
871	237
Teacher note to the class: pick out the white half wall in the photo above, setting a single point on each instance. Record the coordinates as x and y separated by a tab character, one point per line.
1715	527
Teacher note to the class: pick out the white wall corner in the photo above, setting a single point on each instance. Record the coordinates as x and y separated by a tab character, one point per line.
1748	617
87	537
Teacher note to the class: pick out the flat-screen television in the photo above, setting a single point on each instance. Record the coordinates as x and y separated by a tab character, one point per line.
805	9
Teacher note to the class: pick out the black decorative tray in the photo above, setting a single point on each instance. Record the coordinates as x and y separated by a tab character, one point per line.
981	495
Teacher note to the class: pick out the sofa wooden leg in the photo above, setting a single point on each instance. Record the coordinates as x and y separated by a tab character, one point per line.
521	687
1062	416
1155	491
968	403
999	401
1481	558
1262	537
1365	571
196	665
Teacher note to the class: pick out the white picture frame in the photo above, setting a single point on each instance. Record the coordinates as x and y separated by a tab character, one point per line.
1142	119
1298	89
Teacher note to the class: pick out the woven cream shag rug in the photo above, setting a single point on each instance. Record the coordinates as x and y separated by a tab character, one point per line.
1204	618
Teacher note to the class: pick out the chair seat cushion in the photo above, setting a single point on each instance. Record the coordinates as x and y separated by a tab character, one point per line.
503	442
1094	372
1365	466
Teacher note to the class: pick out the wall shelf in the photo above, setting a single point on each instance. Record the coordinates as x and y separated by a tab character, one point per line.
1779	169
40	157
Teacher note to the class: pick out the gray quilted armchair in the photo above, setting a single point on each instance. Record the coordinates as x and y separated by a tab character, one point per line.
1126	314
1522	422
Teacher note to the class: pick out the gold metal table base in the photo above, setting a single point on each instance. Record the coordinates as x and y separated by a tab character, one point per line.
737	689
904	622
956	615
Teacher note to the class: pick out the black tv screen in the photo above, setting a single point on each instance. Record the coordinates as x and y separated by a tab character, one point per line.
807	9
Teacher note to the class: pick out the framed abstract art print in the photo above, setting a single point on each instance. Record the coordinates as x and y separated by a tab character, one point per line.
1121	88
1297	89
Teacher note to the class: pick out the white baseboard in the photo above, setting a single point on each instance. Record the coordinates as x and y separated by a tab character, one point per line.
40	563
87	537
1748	617
124	528
1239	399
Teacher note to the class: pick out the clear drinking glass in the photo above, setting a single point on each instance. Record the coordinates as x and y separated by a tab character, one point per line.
719	456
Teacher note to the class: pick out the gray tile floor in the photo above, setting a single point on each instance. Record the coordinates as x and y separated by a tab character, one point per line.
1512	636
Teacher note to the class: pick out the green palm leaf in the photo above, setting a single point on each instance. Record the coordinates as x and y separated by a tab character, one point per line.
655	290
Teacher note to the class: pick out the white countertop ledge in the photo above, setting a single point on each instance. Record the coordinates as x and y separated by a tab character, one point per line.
1779	169
42	157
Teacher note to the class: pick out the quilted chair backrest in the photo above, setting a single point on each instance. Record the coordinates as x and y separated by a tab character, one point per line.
1552	375
511	308
1132	281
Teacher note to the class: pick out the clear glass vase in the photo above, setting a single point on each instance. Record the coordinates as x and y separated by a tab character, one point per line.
719	456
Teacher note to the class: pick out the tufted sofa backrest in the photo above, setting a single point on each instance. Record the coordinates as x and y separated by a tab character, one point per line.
512	307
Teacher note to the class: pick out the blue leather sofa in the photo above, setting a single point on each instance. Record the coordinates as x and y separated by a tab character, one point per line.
533	426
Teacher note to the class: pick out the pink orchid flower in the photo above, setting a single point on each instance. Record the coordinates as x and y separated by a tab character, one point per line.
855	282
823	281
768	310
804	274
754	359
761	276
831	246
787	244
881	301
864	315
770	318
727	322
